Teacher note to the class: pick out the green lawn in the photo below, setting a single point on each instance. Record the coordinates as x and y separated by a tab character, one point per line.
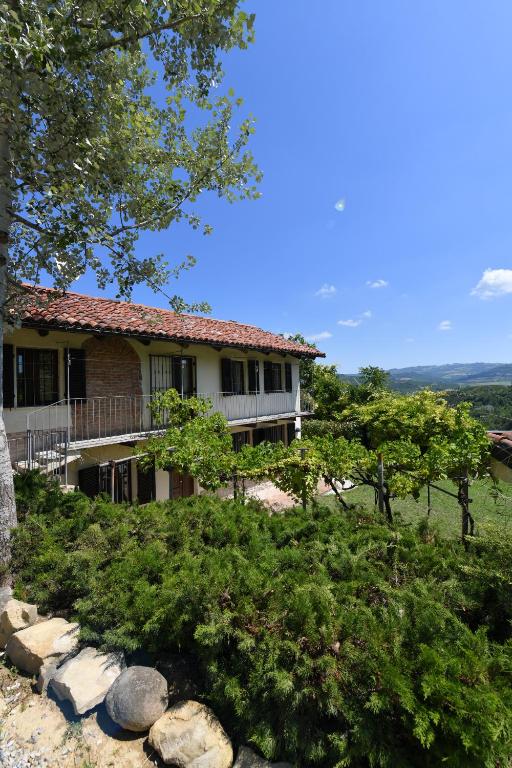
486	506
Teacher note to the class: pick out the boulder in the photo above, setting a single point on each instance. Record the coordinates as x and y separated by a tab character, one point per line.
32	647
190	736
246	758
14	616
137	698
85	679
5	596
47	672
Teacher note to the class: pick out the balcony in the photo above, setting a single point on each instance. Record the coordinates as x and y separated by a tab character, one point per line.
58	432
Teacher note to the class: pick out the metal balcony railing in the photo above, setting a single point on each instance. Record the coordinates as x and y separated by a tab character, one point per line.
64	427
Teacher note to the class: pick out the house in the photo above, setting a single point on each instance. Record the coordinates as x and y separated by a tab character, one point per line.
80	372
501	455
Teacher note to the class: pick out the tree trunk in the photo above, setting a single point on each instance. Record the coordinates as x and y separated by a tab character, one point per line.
7	500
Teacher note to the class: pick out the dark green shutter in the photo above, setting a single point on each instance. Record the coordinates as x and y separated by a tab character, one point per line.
226	378
267	376
89	481
288	377
176	373
8	373
146	484
77	386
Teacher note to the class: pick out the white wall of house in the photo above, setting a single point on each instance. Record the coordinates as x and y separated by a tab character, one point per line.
208	370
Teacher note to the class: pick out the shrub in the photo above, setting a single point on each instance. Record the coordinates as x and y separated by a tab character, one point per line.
326	639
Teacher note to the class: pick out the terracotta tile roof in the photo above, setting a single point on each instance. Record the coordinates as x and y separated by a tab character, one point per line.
502	446
76	312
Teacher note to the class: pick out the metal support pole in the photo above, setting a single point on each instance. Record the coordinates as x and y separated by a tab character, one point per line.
429	508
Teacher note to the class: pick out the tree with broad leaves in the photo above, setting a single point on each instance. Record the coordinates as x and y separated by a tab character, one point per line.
89	157
421	438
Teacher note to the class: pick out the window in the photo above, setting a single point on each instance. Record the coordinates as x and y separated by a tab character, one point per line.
239	439
268	435
232	377
253	367
272	375
173	371
37	381
184	375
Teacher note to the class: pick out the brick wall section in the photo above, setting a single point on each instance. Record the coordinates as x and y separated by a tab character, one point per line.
112	368
113	388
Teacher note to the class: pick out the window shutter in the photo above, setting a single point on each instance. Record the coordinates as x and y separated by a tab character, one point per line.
8	373
89	481
267	376
288	377
77	386
226	378
176	373
254	376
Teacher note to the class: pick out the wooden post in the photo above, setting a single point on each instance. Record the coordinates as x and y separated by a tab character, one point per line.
463	497
235	486
380	476
429	508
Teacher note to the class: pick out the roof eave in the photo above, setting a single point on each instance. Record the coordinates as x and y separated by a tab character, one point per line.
49	325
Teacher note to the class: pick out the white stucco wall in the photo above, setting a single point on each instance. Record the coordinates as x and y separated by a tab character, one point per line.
208	368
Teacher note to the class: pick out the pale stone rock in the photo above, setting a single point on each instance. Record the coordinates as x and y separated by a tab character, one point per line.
30	648
14	616
85	679
246	758
47	672
137	698
189	735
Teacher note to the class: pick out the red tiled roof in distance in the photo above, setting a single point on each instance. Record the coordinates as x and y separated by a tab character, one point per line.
77	312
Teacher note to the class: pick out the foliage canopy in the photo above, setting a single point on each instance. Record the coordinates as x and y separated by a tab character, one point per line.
324	639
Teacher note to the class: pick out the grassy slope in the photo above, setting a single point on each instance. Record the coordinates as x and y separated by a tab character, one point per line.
445	510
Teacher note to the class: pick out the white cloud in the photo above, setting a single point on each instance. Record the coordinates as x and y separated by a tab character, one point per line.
377	283
326	291
493	283
350	323
355	321
319	336
445	325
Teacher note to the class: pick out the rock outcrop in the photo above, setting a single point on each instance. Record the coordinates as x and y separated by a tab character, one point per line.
189	735
86	679
137	698
14	616
32	647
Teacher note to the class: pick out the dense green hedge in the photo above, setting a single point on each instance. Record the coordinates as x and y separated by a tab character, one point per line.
325	639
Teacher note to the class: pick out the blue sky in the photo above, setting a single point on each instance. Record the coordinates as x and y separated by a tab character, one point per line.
403	110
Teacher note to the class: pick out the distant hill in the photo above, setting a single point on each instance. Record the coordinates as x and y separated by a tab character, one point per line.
452	375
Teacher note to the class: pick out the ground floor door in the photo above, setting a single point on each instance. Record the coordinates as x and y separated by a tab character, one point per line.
146	485
180	485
